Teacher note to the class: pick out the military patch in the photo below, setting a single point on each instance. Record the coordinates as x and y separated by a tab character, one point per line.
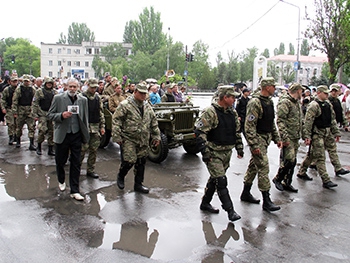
251	117
199	124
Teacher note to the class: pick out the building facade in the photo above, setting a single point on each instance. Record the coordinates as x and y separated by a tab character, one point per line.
63	60
309	67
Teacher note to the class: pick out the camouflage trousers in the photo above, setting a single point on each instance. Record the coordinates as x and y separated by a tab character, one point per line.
219	163
91	147
259	165
45	127
289	153
130	152
11	122
25	118
317	155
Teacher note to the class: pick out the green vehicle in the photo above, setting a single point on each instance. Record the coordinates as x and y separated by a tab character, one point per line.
176	123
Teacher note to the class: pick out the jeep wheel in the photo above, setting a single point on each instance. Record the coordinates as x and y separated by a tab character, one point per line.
105	139
160	153
191	148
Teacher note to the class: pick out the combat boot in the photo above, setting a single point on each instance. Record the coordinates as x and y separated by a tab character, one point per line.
268	205
225	198
11	140
139	176
51	152
277	180
38	149
287	183
246	196
208	196
18	142
31	144
123	171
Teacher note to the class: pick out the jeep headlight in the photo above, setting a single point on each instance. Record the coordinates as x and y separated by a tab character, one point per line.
171	117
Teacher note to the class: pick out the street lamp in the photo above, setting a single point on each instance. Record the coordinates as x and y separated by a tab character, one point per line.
297	66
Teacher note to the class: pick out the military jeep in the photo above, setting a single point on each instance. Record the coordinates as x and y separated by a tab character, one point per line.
176	124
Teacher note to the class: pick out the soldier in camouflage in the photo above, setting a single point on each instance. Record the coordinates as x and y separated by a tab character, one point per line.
320	132
21	107
218	132
6	106
96	126
134	125
41	104
289	122
260	129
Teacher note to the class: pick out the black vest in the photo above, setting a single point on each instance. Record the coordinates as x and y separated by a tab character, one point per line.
265	124
45	103
225	132
27	95
94	109
325	119
9	98
170	97
337	109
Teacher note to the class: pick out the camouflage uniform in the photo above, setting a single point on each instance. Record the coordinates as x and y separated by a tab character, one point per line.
114	101
6	103
218	132
322	138
41	104
22	108
94	130
134	124
289	122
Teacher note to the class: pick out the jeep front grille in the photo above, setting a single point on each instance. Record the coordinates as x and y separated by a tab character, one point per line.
184	122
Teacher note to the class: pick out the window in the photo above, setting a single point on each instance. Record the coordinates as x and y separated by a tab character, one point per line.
86	63
69	74
59	63
69	63
77	63
50	50
50	63
301	71
89	51
59	51
86	75
50	74
315	71
69	51
97	51
77	51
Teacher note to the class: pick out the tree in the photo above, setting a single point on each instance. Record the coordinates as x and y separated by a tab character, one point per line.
291	49
280	50
77	33
266	53
304	48
328	30
113	51
288	73
128	32
273	70
247	63
147	32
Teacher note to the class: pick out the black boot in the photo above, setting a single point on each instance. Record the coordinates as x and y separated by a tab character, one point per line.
51	152
123	171
287	184
31	144
38	149
208	196
11	140
277	180
139	175
225	198
268	205
246	196
18	142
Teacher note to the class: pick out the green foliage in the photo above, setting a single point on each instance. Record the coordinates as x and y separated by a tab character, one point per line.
266	53
128	32
77	33
247	64
113	51
207	82
273	70
304	48
291	49
280	50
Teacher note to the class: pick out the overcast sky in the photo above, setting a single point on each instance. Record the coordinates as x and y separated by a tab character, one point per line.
225	25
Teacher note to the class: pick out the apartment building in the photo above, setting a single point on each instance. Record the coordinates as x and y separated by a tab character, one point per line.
63	60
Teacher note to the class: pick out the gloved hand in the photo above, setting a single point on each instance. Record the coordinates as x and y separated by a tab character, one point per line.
240	152
206	157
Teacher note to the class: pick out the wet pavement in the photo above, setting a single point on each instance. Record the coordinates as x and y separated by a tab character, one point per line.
38	223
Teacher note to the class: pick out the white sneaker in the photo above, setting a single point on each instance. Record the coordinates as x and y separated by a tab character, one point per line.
77	197
62	187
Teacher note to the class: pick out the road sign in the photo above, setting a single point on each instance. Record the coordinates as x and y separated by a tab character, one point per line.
185	73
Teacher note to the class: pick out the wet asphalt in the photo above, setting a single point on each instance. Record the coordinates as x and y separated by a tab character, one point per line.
38	223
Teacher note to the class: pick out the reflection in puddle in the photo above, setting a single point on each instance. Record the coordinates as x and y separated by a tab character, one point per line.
335	255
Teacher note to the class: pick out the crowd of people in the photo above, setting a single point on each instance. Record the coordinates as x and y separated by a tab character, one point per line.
70	114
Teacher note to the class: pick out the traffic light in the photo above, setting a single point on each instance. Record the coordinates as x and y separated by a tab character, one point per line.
187	57
13	59
191	57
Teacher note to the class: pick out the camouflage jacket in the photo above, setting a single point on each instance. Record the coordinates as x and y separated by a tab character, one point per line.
255	112
289	118
17	96
5	96
129	125
312	112
37	111
209	120
114	101
95	127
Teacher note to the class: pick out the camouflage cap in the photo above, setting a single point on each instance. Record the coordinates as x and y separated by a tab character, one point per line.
296	86
26	77
141	88
14	77
170	85
334	86
227	90
48	80
107	74
323	88
269	81
93	83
